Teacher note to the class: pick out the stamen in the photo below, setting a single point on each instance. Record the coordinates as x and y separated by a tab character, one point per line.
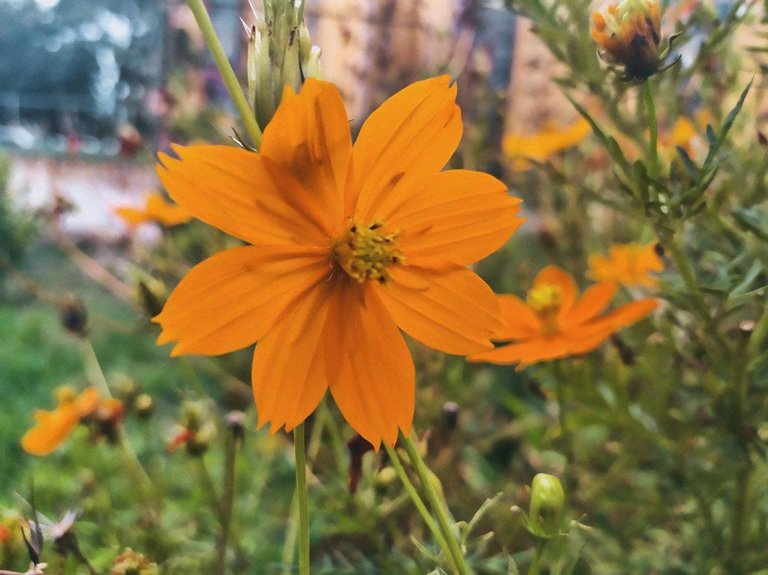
545	300
364	252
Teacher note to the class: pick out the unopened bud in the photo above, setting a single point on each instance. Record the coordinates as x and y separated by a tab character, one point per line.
235	421
280	54
200	441
129	562
547	511
74	316
144	406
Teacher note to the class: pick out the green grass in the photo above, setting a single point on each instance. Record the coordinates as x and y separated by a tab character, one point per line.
37	354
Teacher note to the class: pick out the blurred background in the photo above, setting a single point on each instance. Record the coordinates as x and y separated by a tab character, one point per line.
92	90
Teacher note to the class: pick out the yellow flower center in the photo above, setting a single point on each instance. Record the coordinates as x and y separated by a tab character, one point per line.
364	252
65	394
545	299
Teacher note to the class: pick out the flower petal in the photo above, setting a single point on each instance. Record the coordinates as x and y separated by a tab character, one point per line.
230	189
625	315
51	429
591	303
460	215
541	348
309	138
288	375
409	137
87	402
370	370
453	311
520	321
556	276
233	298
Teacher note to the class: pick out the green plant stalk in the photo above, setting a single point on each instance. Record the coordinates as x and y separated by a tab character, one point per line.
211	488
742	473
227	501
561	413
653	127
225	69
291	533
96	375
438	506
418	502
538	553
302	497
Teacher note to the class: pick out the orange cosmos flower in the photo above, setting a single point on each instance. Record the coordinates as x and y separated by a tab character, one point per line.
628	264
349	243
156	209
554	322
53	427
541	146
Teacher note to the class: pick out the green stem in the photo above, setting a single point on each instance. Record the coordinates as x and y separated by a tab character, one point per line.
688	275
225	69
302	497
739	521
538	554
93	369
96	375
565	432
227	502
438	506
742	472
417	500
653	127
291	531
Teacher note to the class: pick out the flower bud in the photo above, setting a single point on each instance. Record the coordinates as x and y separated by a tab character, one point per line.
547	511
129	562
280	54
628	36
235	421
74	316
144	406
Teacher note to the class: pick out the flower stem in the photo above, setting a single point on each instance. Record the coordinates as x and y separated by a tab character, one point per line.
536	562
438	506
302	498
225	69
96	375
227	501
417	500
565	432
653	127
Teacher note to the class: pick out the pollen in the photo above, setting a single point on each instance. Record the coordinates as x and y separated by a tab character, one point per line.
365	252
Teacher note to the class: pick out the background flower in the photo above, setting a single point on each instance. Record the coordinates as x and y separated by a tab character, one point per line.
555	322
627	264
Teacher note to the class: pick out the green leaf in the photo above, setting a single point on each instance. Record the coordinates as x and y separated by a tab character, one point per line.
690	165
753	220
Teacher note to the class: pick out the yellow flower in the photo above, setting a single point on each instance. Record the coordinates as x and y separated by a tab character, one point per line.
628	264
348	244
53	427
539	147
555	322
628	35
156	209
